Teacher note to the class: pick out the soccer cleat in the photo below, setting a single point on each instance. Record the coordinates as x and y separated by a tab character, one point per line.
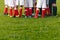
39	15
8	15
11	16
5	13
26	16
17	16
30	16
35	17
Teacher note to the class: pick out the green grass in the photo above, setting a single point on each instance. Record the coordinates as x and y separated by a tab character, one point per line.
30	28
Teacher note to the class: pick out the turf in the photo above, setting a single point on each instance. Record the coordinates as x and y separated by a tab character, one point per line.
29	28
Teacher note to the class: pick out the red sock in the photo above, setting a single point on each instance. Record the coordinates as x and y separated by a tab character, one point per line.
37	11
43	12
11	13
26	11
16	12
6	10
20	12
30	11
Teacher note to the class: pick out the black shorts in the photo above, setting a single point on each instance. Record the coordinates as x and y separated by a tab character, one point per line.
52	1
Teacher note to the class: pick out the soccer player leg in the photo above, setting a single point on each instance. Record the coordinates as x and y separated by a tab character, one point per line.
21	7
11	6
50	6
39	3
26	5
43	8
16	14
30	8
54	8
6	7
47	9
34	7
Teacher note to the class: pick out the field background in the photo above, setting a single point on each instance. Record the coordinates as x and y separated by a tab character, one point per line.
30	28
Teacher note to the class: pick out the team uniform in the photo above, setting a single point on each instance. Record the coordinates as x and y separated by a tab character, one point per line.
6	7
40	4
28	8
11	3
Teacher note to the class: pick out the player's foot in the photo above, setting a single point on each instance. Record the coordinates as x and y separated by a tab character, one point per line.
8	14
14	16
30	16
20	16
17	16
39	15
35	17
26	16
11	16
5	13
56	15
33	14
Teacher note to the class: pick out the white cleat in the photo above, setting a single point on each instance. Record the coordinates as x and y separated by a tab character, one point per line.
17	16
11	16
26	17
30	16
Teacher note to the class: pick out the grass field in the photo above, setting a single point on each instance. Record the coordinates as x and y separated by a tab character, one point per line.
30	28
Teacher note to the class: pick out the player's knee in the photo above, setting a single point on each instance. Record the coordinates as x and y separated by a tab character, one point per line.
21	6
16	6
54	4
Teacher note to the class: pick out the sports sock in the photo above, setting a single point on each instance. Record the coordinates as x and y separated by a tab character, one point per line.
26	11
43	12
16	12
11	11
36	14
30	11
6	10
